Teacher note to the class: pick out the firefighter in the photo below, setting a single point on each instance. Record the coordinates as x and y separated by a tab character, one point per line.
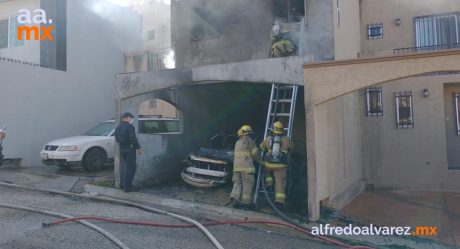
276	148
246	152
281	46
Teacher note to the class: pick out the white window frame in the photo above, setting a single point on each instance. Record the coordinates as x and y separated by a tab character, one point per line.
370	27
398	96
457	111
418	24
379	91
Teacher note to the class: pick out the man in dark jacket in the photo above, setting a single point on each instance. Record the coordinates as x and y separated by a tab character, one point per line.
125	135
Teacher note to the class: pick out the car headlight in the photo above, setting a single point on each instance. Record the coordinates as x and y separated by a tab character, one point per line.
68	148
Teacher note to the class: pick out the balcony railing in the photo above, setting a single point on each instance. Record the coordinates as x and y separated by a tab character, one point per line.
401	51
19	62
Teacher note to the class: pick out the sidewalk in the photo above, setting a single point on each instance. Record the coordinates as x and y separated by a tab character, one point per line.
376	208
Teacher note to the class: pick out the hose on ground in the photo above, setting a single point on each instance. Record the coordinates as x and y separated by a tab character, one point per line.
60	215
216	223
298	225
131	204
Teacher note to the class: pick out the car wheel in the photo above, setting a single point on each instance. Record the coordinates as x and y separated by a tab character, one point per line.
94	159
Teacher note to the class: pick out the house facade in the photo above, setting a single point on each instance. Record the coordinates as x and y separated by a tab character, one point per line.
60	88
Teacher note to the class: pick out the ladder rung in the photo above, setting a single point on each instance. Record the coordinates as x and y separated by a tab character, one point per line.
283	100
281	114
285	87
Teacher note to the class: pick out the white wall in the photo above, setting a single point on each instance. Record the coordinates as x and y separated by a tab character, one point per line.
30	51
40	104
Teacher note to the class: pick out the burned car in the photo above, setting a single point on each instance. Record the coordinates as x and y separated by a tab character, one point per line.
212	165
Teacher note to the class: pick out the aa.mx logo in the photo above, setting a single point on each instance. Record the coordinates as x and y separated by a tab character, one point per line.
34	24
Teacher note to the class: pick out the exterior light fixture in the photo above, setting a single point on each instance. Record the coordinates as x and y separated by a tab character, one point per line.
426	93
398	21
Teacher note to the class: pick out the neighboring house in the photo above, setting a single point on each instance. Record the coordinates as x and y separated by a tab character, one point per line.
53	89
411	110
390	119
156	52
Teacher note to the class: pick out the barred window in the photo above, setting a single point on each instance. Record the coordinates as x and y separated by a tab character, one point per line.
375	31
457	111
374	105
404	110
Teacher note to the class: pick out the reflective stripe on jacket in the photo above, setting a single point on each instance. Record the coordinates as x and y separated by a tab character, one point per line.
246	152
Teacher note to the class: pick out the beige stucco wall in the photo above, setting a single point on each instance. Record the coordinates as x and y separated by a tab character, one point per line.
336	143
163	108
387	11
338	134
410	158
347	36
30	51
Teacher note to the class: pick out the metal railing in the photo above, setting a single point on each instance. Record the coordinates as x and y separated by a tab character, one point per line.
19	62
402	51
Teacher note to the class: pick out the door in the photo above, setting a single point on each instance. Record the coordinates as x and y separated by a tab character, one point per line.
452	112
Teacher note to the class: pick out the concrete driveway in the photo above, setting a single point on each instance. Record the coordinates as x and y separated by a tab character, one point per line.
408	208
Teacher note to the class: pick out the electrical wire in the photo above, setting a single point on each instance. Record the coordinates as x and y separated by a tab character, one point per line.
131	204
65	216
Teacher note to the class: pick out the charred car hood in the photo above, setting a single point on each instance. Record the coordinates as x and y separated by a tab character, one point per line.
217	154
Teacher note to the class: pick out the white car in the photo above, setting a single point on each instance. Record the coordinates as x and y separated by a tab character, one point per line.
96	147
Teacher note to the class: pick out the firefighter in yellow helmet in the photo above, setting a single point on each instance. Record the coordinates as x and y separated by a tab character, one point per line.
246	152
276	147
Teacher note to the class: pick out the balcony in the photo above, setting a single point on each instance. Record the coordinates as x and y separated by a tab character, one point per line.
403	51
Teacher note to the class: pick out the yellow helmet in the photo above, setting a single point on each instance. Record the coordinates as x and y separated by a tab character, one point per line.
278	128
244	130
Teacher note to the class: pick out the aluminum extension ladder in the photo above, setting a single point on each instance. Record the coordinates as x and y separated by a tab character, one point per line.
281	108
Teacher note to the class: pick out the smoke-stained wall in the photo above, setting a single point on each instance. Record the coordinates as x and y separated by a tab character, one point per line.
208	32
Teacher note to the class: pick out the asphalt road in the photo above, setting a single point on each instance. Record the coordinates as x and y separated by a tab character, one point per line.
19	229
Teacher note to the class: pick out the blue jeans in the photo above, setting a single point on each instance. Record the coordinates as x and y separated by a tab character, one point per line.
128	159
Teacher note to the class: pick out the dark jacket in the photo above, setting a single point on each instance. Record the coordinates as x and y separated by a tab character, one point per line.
125	135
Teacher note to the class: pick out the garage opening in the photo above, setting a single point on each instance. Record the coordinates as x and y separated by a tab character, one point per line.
211	116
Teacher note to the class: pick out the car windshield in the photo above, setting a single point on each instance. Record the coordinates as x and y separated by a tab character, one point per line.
102	129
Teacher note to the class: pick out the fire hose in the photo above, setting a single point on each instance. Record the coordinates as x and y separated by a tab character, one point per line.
131	204
60	215
298	225
193	223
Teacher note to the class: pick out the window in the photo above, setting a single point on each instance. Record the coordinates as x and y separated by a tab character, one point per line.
151	35
153	104
436	30
154	61
4	33
8	33
158	126
404	111
457	111
374	102
375	31
14	24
